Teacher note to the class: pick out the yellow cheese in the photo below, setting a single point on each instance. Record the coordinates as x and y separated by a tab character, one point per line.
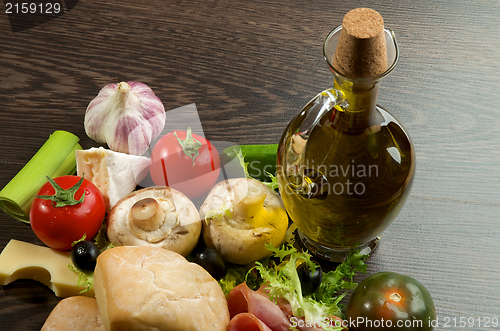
22	260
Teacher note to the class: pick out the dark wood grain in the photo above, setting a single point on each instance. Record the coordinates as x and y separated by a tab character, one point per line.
250	66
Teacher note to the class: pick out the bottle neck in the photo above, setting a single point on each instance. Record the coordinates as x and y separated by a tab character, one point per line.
361	97
358	112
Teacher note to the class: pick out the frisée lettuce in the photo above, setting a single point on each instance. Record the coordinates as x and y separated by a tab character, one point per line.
282	282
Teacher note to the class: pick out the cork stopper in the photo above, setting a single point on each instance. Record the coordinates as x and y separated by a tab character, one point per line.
361	51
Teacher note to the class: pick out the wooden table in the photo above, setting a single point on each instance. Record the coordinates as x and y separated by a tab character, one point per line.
250	67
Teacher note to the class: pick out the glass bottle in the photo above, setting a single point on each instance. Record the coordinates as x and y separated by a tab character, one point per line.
345	165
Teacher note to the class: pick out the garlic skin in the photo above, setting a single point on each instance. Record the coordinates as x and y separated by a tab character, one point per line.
126	116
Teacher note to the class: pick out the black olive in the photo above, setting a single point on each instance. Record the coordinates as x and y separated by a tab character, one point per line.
84	255
213	262
309	281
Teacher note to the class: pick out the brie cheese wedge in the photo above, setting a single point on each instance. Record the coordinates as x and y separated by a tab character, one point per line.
115	174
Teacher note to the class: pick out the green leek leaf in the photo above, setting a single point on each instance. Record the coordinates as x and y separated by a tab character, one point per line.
55	158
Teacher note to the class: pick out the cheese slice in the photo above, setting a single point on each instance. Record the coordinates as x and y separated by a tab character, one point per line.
22	260
115	174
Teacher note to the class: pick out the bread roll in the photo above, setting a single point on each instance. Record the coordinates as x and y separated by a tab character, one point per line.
77	313
151	288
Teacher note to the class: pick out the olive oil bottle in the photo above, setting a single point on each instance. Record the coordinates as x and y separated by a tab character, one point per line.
345	165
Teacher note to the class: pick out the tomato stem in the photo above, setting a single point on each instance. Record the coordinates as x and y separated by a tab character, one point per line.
63	197
190	145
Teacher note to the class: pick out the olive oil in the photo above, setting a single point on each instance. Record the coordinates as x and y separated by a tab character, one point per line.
345	165
344	180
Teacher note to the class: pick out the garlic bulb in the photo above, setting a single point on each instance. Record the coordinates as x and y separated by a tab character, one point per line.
127	116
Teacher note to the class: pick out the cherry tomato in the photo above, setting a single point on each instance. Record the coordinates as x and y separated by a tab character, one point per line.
390	301
59	217
186	162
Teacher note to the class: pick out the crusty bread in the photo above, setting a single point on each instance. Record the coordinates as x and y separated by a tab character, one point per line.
77	313
151	288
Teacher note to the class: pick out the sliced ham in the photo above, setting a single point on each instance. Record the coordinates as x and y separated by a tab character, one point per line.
300	323
242	299
247	322
248	308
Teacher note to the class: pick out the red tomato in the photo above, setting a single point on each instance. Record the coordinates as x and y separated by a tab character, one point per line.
59	227
174	163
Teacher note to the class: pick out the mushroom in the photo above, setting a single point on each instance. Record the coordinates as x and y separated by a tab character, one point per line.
162	217
241	216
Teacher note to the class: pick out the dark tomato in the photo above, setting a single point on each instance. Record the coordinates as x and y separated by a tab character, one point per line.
390	301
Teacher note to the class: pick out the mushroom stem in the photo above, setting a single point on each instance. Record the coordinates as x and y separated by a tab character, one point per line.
147	214
249	196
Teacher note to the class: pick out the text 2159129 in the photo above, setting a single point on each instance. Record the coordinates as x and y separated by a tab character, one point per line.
32	8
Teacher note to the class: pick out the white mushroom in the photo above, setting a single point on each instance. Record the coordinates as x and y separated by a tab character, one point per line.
241	216
162	217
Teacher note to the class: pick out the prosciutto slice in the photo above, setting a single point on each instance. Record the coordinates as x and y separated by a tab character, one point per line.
301	324
247	322
242	299
253	310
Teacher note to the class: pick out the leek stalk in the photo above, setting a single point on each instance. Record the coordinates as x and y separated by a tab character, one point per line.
55	158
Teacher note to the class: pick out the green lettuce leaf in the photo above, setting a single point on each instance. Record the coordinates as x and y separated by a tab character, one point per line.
283	282
235	276
86	279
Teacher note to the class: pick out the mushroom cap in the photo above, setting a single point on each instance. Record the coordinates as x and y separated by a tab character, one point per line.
178	228
242	241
